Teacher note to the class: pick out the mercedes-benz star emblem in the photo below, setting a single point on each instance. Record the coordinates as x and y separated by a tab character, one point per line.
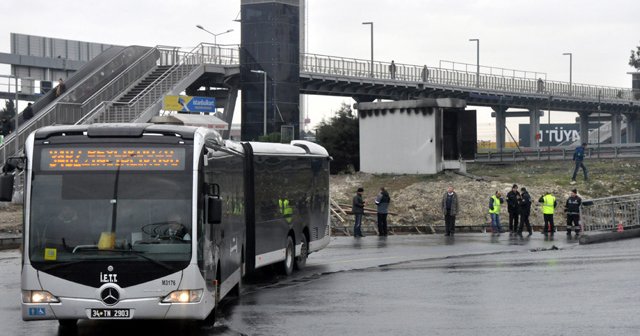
110	296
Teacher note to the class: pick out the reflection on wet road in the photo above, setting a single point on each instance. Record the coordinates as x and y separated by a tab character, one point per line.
474	284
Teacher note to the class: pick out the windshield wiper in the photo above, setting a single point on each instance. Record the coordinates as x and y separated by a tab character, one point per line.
60	265
141	254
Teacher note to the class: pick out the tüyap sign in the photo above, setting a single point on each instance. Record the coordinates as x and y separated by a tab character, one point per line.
551	134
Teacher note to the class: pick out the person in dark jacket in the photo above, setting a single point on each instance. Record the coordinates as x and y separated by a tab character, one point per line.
5	126
358	210
382	204
578	157
450	210
525	211
27	113
572	209
513	197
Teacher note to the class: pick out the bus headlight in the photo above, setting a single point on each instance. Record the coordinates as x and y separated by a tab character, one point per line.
184	296
38	296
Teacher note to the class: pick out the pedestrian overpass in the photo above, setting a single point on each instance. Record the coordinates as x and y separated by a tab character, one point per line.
127	84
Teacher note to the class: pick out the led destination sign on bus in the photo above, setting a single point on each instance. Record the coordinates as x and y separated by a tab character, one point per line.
142	158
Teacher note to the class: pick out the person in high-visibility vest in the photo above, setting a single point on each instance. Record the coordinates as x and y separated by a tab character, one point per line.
285	209
549	204
494	211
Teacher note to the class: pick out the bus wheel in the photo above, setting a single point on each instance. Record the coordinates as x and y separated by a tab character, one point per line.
301	260
208	321
287	264
68	324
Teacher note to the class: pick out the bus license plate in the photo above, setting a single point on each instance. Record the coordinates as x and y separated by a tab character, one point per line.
110	313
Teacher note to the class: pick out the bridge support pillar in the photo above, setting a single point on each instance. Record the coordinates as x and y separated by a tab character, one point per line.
501	119
616	129
584	127
534	127
632	127
229	109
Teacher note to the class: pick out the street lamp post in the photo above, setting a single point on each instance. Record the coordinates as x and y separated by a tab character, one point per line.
371	23
264	106
570	72
477	60
215	38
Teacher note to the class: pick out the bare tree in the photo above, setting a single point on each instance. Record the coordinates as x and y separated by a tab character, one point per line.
634	60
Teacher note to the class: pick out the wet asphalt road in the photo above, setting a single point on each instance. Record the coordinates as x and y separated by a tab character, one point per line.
474	284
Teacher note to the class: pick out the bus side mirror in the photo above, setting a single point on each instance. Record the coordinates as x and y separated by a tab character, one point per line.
214	210
214	204
6	188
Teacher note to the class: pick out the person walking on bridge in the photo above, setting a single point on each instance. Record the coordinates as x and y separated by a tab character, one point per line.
572	209
392	69
425	73
578	157
549	204
494	211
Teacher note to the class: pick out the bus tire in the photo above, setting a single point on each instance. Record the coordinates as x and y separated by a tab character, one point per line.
208	321
235	291
301	260
68	323
287	263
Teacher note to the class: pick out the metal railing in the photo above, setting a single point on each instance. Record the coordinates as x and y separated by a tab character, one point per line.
489	70
161	55
507	80
559	153
58	111
611	213
185	63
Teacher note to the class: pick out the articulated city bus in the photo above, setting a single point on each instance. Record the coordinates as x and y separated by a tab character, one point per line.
144	221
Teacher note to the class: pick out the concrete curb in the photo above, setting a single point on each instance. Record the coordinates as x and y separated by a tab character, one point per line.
608	236
10	242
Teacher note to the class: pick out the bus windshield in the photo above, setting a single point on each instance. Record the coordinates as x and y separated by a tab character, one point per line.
104	212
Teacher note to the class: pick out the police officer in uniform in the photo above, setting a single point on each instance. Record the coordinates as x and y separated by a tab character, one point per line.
572	208
525	211
513	197
549	204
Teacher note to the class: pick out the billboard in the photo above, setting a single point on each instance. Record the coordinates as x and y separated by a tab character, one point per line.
189	104
551	134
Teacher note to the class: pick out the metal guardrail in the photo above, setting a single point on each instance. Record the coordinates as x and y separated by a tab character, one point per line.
560	153
611	213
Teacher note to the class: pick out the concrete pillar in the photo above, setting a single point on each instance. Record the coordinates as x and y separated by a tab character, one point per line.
632	127
501	119
616	131
584	127
229	109
534	127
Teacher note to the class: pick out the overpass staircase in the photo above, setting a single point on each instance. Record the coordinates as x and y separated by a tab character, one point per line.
123	84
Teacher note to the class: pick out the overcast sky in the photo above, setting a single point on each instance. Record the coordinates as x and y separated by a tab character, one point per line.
516	34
